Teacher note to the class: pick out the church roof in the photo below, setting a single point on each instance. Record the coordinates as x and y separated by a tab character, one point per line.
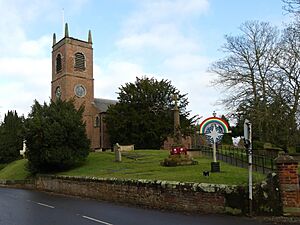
103	104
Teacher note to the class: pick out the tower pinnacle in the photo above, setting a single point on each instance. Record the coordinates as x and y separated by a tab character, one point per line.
54	38
90	37
66	30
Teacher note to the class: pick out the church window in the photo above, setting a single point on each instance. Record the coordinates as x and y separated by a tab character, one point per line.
97	121
79	61
80	90
58	63
58	92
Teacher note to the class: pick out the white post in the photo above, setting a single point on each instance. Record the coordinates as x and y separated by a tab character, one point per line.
248	144
250	170
214	152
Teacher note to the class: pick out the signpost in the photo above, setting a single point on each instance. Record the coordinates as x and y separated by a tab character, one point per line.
248	145
214	128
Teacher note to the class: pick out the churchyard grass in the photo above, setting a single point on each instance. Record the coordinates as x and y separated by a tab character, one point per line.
145	164
142	164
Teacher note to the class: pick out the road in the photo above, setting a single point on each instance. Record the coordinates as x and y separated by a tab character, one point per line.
24	207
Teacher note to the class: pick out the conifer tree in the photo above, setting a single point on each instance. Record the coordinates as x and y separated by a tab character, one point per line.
144	114
11	137
55	136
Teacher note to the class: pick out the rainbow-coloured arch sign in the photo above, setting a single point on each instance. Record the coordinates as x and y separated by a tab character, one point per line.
214	128
207	124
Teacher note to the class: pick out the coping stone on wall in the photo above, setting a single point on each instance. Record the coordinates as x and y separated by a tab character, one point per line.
185	186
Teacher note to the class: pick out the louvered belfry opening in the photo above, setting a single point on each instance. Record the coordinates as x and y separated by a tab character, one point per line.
58	63
79	61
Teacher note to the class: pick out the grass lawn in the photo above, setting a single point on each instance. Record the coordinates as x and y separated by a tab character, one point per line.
15	170
142	164
2	166
145	164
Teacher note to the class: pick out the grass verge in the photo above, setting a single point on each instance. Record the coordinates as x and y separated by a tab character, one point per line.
2	166
15	171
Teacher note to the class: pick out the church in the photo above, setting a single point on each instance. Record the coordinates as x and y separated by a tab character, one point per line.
72	78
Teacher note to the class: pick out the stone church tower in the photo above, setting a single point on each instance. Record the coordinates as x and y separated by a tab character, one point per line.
72	78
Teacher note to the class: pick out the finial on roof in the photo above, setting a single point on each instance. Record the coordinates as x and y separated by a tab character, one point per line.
54	38
66	30
90	37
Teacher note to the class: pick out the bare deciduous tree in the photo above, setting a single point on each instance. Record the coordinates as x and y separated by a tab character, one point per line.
292	6
248	72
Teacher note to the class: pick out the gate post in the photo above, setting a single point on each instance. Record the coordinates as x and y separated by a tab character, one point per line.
287	169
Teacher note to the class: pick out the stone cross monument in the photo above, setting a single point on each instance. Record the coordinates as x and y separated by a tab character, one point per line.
177	134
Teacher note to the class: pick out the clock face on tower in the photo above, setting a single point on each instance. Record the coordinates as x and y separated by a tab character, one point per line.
80	90
58	92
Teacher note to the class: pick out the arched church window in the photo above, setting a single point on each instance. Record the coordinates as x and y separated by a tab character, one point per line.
58	92
97	121
58	63
79	61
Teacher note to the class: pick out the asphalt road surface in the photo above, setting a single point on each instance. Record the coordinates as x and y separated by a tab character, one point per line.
24	207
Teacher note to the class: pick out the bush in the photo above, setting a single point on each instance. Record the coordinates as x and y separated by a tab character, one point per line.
55	137
258	145
266	198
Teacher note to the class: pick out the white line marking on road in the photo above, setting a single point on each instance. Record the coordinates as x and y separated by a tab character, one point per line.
42	204
95	220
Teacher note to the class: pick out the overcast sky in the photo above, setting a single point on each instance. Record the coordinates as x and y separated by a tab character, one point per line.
166	39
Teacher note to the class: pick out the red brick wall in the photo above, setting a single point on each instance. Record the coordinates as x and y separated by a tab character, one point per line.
289	183
287	169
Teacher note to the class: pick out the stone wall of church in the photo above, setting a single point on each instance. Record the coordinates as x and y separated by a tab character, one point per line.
92	132
69	77
105	141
